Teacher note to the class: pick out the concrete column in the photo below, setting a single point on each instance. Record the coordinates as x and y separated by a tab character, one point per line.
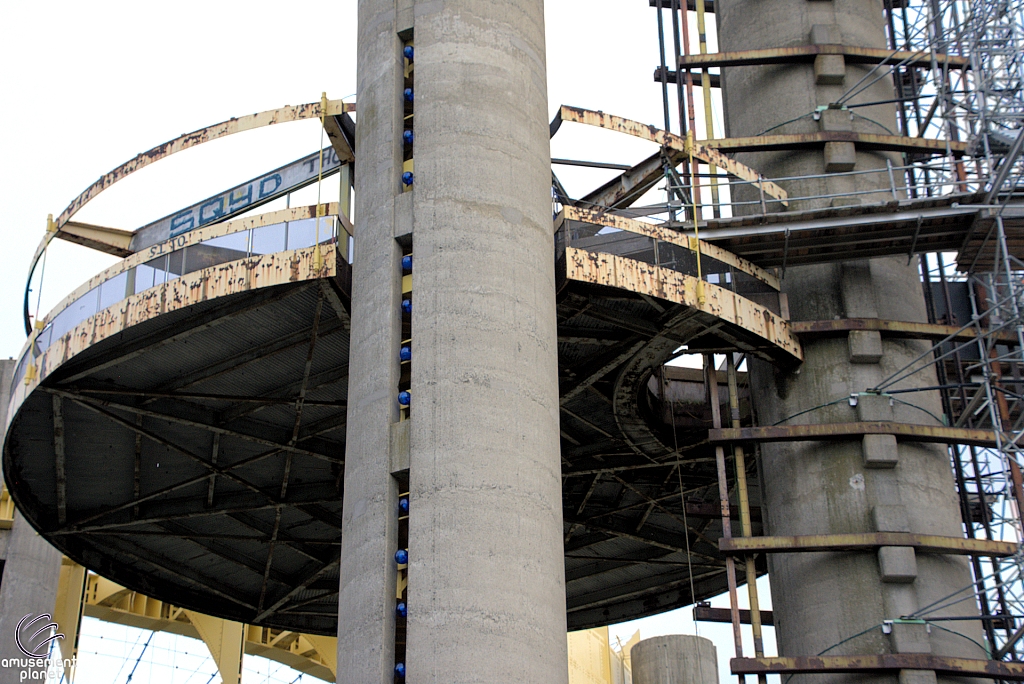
31	569
822	599
366	601
486	576
675	659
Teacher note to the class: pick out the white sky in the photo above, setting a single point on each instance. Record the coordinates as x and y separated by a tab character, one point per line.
85	86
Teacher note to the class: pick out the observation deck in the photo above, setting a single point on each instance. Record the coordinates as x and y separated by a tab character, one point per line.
177	423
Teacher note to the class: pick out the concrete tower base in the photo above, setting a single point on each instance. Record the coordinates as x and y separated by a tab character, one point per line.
675	659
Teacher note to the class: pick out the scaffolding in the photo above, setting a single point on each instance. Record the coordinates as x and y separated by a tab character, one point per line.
957	68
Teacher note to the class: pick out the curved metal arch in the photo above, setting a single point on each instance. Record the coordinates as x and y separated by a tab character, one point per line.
670	140
233	125
728	307
653	230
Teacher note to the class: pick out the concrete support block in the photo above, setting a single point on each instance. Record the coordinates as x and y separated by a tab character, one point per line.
400	446
404	17
910	638
829	70
677	658
874	407
825	34
840	157
403	217
865	346
889	518
834	120
880	451
917	677
897	565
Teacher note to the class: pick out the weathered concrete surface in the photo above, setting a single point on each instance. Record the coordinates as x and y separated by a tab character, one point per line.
829	487
31	569
486	578
674	659
366	598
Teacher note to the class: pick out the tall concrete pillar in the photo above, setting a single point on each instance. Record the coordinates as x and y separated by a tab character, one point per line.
31	570
486	575
366	599
486	595
822	599
675	659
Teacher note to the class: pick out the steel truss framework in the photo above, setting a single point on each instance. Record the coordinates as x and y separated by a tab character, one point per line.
958	72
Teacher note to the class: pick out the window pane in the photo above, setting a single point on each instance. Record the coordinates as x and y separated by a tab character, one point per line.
304	233
175	264
78	311
268	239
113	291
217	251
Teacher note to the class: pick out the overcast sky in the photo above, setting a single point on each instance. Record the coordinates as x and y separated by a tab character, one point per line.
85	86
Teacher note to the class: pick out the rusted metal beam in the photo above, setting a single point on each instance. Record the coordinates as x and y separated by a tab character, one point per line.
113	241
831	431
891	662
708	614
925	543
666	284
709	5
807	53
625	189
864	141
665	234
900	329
203	135
671	76
701	150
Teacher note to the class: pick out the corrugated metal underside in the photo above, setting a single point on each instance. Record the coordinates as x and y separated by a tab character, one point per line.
244	510
640	499
215	501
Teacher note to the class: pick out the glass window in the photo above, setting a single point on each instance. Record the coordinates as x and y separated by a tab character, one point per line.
113	290
269	239
78	311
217	251
150	274
304	233
176	264
43	341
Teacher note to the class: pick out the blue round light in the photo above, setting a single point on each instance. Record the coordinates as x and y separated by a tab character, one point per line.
407	177
400	670
407	306
405	354
401	609
403	504
401	556
408	137
408	52
404	398
408	94
407	263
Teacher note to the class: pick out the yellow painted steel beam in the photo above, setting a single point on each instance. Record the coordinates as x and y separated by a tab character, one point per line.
866	141
599	218
924	543
830	431
663	283
113	241
909	330
942	665
702	150
807	53
226	641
